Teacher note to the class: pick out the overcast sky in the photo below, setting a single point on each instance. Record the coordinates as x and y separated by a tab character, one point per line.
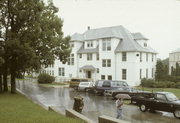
158	20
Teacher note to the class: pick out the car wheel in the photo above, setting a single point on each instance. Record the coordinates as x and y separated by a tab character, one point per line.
177	113
143	107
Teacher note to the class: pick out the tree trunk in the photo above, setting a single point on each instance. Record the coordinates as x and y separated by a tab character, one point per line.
13	81
5	78
1	88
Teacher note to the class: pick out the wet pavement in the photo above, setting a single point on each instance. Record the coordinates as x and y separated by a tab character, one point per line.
62	98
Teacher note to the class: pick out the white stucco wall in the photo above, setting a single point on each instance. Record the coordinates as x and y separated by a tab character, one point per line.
173	59
132	65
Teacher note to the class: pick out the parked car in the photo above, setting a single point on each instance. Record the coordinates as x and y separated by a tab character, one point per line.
130	91
74	82
85	86
162	101
102	85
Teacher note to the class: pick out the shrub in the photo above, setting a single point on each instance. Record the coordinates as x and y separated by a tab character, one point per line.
150	83
178	85
147	82
45	78
173	78
160	84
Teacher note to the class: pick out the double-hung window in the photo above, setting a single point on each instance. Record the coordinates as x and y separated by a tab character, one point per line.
89	56
71	60
124	72
61	71
106	44
106	63
124	56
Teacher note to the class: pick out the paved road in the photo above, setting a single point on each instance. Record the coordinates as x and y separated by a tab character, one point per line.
95	106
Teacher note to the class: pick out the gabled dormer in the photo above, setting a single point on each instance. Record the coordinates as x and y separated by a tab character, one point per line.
141	39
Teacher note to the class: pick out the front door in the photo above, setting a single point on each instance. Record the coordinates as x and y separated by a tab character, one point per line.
88	74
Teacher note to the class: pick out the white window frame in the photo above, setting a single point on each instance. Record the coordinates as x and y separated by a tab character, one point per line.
71	59
106	44
61	71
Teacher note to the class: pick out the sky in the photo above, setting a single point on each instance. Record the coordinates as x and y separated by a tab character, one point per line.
158	20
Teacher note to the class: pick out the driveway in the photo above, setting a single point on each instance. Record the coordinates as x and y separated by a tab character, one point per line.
62	98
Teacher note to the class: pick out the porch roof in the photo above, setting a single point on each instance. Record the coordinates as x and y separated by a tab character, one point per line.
88	67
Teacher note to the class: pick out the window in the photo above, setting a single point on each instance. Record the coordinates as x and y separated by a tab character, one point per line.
152	72
106	44
106	63
50	72
109	77
146	56
80	56
61	71
97	69
140	57
161	97
123	56
145	44
89	56
106	84
152	57
124	74
103	77
80	70
97	56
53	72
146	73
140	74
103	63
90	44
71	60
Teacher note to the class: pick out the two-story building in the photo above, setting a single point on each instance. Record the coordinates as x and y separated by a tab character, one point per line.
174	57
110	53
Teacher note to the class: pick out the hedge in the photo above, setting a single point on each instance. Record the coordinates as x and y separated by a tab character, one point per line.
151	83
45	78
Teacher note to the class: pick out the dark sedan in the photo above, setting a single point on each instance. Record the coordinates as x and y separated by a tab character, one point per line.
162	101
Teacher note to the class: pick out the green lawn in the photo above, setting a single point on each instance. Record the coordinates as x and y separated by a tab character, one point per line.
173	90
16	108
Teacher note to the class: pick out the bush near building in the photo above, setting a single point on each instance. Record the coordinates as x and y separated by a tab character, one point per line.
45	78
151	83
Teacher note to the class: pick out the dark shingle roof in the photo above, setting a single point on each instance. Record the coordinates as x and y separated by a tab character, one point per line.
82	50
128	40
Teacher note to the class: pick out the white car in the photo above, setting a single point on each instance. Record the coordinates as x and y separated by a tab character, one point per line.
85	86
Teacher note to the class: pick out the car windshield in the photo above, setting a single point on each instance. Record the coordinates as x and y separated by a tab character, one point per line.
171	97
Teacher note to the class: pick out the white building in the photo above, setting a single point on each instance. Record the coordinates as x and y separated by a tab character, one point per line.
108	53
174	57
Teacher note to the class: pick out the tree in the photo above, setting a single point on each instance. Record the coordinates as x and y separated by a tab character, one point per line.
159	74
33	36
177	70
